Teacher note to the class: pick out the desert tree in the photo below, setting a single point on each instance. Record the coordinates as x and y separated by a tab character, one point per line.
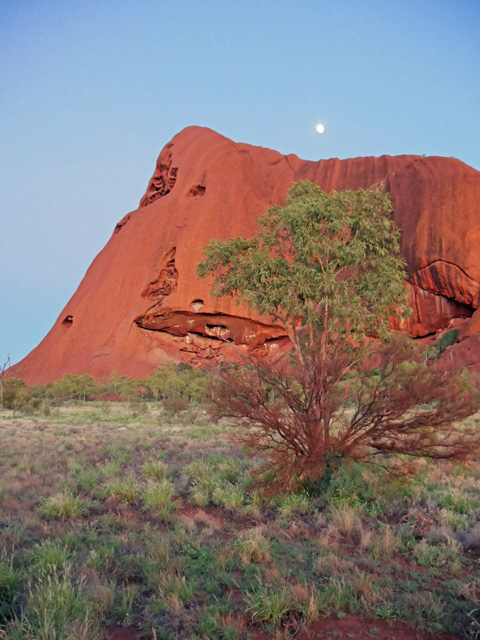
328	268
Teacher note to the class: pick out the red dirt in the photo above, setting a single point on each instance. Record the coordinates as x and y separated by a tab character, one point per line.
121	633
350	627
354	627
141	303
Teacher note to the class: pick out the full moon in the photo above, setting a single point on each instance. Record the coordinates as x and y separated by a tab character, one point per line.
319	128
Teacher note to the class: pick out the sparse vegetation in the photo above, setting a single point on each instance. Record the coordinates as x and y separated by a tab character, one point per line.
102	528
175	385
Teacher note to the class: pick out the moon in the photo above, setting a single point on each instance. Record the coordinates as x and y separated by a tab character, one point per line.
319	128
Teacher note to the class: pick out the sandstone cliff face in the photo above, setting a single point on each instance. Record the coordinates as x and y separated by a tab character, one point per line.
141	303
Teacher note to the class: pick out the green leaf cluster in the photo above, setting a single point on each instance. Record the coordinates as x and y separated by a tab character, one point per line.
330	262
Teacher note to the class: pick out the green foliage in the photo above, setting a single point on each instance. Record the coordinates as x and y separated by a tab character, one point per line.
125	489
293	504
349	487
447	340
252	546
158	496
218	480
177	385
155	469
62	506
56	607
330	262
269	605
434	556
9	589
49	557
18	397
71	386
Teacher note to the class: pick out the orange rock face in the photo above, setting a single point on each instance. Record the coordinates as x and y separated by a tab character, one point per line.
141	303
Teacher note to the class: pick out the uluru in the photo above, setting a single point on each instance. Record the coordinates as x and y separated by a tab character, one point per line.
141	303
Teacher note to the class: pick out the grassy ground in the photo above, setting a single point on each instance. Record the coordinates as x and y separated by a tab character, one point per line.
115	517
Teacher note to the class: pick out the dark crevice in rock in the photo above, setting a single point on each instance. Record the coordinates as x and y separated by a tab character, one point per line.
220	331
167	281
196	192
445	278
196	305
424	336
67	321
452	264
211	337
431	312
139	323
122	223
221	327
162	182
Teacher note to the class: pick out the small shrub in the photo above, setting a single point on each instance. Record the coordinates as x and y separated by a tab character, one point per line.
306	601
175	403
63	506
268	605
292	504
55	607
228	496
111	469
387	544
231	470
158	496
155	469
421	608
124	605
252	546
447	340
127	489
471	539
103	597
456	502
337	595
200	497
9	589
88	479
100	558
49	557
175	586
429	556
346	519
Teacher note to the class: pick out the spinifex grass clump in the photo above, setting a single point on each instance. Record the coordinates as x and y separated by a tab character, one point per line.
155	469
63	505
218	481
159	498
56	606
269	605
9	590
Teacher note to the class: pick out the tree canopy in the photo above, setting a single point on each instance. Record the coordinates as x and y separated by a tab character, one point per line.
327	262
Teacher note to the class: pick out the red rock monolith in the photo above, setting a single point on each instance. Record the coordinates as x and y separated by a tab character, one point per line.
140	302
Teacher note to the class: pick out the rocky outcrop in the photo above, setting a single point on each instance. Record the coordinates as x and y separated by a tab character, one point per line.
141	303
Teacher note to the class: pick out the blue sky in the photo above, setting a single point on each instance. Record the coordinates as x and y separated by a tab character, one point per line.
91	91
